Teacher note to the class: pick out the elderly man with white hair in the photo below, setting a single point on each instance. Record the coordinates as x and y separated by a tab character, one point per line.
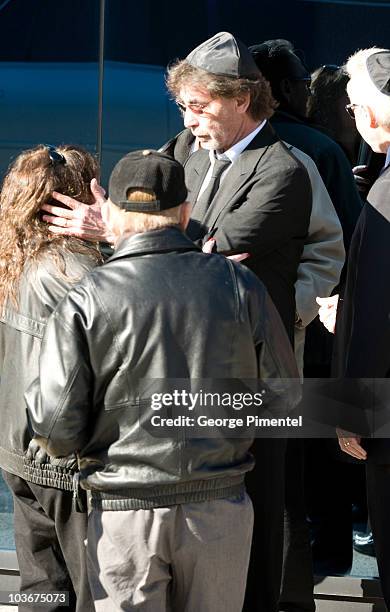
363	325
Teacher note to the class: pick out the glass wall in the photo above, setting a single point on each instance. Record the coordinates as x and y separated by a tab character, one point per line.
48	74
137	111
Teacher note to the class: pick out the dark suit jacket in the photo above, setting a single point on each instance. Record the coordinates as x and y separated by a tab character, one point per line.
332	164
262	207
363	326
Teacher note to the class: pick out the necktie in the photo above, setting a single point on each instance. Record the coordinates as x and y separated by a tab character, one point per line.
203	203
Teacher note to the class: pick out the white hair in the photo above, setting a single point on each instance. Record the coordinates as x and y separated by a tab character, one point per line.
364	88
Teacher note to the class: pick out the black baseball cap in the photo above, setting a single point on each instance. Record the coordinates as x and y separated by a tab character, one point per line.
224	55
148	170
378	66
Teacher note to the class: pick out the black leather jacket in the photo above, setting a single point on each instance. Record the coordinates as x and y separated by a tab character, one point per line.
161	309
21	332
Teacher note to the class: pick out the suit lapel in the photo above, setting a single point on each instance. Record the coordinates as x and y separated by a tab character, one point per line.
196	169
183	146
240	173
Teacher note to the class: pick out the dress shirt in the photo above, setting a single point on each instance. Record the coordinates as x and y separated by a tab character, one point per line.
232	154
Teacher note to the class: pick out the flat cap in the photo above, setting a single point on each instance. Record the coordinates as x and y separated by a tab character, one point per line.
150	170
224	55
378	66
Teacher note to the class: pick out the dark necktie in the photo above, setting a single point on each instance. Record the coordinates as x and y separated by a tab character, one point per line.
204	201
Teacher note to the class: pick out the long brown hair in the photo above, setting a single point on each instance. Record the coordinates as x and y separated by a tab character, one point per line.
29	184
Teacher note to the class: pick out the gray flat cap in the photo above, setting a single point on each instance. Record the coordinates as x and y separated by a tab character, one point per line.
224	55
378	66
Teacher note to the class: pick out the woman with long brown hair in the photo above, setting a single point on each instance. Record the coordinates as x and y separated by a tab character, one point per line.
37	268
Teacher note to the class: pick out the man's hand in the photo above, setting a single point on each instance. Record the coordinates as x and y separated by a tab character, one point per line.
36	452
350	444
363	183
82	220
210	244
328	311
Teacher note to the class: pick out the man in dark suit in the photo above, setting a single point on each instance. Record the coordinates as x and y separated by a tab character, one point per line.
261	206
363	324
263	201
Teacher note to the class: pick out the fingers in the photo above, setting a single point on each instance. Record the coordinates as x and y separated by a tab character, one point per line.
361	168
97	191
360	180
59	212
77	232
329	302
239	256
208	246
330	325
328	311
61	221
351	446
67	200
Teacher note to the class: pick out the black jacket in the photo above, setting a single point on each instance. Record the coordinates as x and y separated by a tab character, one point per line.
332	164
262	207
21	332
363	322
157	310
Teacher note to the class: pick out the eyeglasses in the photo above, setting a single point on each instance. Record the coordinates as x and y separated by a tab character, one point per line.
54	156
195	107
350	108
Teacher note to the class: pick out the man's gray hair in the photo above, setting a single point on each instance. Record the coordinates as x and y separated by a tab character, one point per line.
364	88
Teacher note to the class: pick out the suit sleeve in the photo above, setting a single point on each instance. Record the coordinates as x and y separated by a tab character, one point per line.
274	210
323	253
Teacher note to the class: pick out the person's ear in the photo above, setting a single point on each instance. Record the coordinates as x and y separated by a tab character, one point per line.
242	102
185	213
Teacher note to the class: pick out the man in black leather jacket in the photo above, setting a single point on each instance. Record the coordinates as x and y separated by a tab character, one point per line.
170	520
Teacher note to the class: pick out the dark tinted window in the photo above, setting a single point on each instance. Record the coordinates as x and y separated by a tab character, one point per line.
49	31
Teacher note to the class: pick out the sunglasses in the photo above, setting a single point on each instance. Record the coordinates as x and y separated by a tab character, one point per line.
195	107
54	156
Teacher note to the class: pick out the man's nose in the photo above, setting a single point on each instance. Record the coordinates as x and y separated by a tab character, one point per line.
190	119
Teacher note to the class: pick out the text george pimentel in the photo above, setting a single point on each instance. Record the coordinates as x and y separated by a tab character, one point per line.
229	423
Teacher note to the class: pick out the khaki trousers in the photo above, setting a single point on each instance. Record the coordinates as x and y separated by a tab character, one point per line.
185	558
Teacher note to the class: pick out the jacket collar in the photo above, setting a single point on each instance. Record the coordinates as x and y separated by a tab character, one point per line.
179	146
198	164
156	241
